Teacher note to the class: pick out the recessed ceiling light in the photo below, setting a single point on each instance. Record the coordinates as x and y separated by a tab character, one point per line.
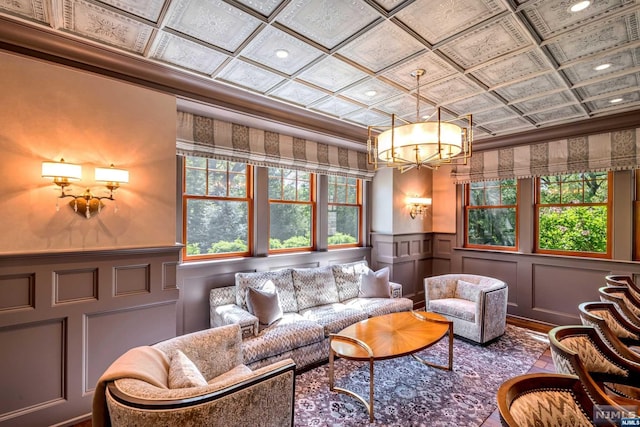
581	5
615	100
371	93
281	53
602	67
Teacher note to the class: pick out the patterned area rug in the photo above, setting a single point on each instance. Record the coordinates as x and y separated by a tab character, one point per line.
408	393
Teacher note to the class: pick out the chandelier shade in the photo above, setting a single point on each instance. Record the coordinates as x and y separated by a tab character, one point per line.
407	145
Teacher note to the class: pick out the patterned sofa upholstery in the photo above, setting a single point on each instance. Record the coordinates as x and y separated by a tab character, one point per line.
477	305
315	303
147	386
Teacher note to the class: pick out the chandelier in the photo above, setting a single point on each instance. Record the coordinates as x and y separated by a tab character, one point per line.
405	145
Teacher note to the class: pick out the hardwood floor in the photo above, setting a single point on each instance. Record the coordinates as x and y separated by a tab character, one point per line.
543	364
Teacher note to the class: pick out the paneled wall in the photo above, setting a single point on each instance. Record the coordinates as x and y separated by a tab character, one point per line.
65	317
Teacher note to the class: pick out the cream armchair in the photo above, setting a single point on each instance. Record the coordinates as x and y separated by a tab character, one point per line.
477	305
194	380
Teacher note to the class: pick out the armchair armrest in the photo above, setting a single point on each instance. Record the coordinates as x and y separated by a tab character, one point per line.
229	314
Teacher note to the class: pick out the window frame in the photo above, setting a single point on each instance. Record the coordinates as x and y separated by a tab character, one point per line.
248	199
312	203
358	205
468	207
608	204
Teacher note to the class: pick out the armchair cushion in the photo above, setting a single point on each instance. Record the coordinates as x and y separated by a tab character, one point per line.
467	291
375	284
455	307
264	305
184	373
233	376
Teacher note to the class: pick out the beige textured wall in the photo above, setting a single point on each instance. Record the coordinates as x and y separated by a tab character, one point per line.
444	201
49	112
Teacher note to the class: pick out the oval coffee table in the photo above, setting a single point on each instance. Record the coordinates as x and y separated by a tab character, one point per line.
385	337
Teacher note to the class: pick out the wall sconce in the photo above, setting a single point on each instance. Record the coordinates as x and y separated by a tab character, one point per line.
86	204
417	205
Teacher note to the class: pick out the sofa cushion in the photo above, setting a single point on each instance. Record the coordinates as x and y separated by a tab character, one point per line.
347	277
380	306
282	279
314	287
286	334
183	372
264	305
455	307
334	317
467	290
375	284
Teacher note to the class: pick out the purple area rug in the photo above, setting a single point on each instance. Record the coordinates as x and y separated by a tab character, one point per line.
408	393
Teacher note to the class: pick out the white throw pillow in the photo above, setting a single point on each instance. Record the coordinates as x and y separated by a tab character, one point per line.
375	284
264	305
183	373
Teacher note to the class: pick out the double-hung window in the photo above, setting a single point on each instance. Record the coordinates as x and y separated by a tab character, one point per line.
216	208
573	214
291	210
344	211
491	214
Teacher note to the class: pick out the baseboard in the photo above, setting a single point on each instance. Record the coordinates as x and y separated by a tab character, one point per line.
534	325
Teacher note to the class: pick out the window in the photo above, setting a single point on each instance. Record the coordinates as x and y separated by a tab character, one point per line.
572	214
216	208
491	214
291	209
344	211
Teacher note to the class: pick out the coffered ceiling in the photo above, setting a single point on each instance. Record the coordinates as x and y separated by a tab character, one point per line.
515	65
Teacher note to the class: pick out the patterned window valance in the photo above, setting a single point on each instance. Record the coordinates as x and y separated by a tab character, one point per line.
605	151
208	137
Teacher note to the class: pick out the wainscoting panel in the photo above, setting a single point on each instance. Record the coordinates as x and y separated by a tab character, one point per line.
65	317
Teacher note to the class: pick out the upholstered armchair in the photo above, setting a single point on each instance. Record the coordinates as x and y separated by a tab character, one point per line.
605	316
627	304
477	305
550	400
622	280
195	379
580	351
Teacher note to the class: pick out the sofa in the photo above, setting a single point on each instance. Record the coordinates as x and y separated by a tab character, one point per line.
194	379
312	302
477	305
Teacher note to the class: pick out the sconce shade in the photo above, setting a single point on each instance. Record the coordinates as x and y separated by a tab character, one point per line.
111	174
61	171
418	200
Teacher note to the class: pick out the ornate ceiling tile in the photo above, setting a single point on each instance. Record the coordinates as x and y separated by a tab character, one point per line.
212	21
558	114
435	69
552	17
297	93
263	7
627	101
450	89
368	118
249	76
474	104
496	115
187	54
630	81
598	37
435	20
389	5
148	9
369	52
32	9
336	106
98	23
487	42
332	74
531	88
617	61
264	46
328	22
404	106
371	92
545	102
512	68
509	126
